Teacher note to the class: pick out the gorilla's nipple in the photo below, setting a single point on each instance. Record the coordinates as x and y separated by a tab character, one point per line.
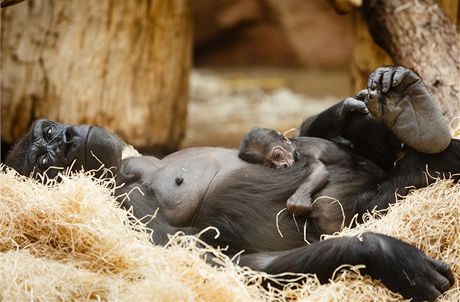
179	180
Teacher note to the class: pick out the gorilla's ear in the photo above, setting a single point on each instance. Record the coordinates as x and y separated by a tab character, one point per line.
17	157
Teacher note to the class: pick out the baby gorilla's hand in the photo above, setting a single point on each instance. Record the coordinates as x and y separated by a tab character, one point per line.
299	205
398	97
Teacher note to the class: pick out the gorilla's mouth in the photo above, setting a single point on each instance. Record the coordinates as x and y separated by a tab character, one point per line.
101	149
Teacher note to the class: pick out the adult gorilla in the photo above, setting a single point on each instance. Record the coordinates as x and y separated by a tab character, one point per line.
201	187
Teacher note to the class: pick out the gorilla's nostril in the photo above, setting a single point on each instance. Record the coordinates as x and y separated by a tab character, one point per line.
67	141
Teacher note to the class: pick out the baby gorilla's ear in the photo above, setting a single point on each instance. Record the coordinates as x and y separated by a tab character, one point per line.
245	145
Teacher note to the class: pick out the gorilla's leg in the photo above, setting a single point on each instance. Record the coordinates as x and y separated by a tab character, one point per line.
401	110
349	119
399	98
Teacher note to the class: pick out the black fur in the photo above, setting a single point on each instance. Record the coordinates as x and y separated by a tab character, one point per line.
257	192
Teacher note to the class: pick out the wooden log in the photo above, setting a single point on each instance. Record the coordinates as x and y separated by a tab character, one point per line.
123	65
5	3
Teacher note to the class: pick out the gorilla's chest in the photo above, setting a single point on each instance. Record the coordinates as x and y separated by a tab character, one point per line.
179	189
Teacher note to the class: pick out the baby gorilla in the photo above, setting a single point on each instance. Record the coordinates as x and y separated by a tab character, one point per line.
328	163
267	147
274	150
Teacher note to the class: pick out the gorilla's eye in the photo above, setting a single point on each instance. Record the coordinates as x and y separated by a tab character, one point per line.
48	133
278	154
43	162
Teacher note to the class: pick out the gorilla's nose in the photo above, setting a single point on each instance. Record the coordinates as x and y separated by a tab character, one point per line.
67	135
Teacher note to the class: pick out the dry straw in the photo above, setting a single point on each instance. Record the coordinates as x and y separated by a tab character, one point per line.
70	241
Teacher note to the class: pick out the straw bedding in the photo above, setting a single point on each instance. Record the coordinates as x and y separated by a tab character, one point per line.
70	241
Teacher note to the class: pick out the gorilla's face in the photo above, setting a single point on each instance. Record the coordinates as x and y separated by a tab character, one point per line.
49	144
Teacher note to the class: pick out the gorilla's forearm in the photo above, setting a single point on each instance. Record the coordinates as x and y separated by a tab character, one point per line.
321	258
401	267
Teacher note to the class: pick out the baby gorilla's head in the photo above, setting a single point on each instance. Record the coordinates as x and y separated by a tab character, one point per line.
267	147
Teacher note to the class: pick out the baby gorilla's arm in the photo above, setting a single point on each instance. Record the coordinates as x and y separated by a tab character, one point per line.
300	202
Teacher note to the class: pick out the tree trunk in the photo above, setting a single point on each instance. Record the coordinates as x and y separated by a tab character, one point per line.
418	35
367	55
119	64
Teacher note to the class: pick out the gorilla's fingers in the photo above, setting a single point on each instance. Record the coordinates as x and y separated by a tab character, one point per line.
442	284
444	269
370	81
378	80
387	78
373	104
399	74
432	293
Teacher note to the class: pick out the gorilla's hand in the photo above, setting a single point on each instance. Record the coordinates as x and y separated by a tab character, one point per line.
299	204
405	269
398	97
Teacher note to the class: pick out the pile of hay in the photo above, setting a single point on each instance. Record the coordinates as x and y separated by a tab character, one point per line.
69	241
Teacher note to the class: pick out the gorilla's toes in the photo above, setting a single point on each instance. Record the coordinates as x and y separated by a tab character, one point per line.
399	98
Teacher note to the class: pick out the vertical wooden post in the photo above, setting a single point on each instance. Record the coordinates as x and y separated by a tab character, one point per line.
123	65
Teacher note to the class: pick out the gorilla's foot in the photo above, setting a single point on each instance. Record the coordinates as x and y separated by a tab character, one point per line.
398	97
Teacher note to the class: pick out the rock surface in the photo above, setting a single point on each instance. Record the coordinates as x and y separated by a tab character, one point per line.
271	32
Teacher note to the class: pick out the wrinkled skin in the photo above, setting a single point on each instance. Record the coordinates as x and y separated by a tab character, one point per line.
196	188
399	98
